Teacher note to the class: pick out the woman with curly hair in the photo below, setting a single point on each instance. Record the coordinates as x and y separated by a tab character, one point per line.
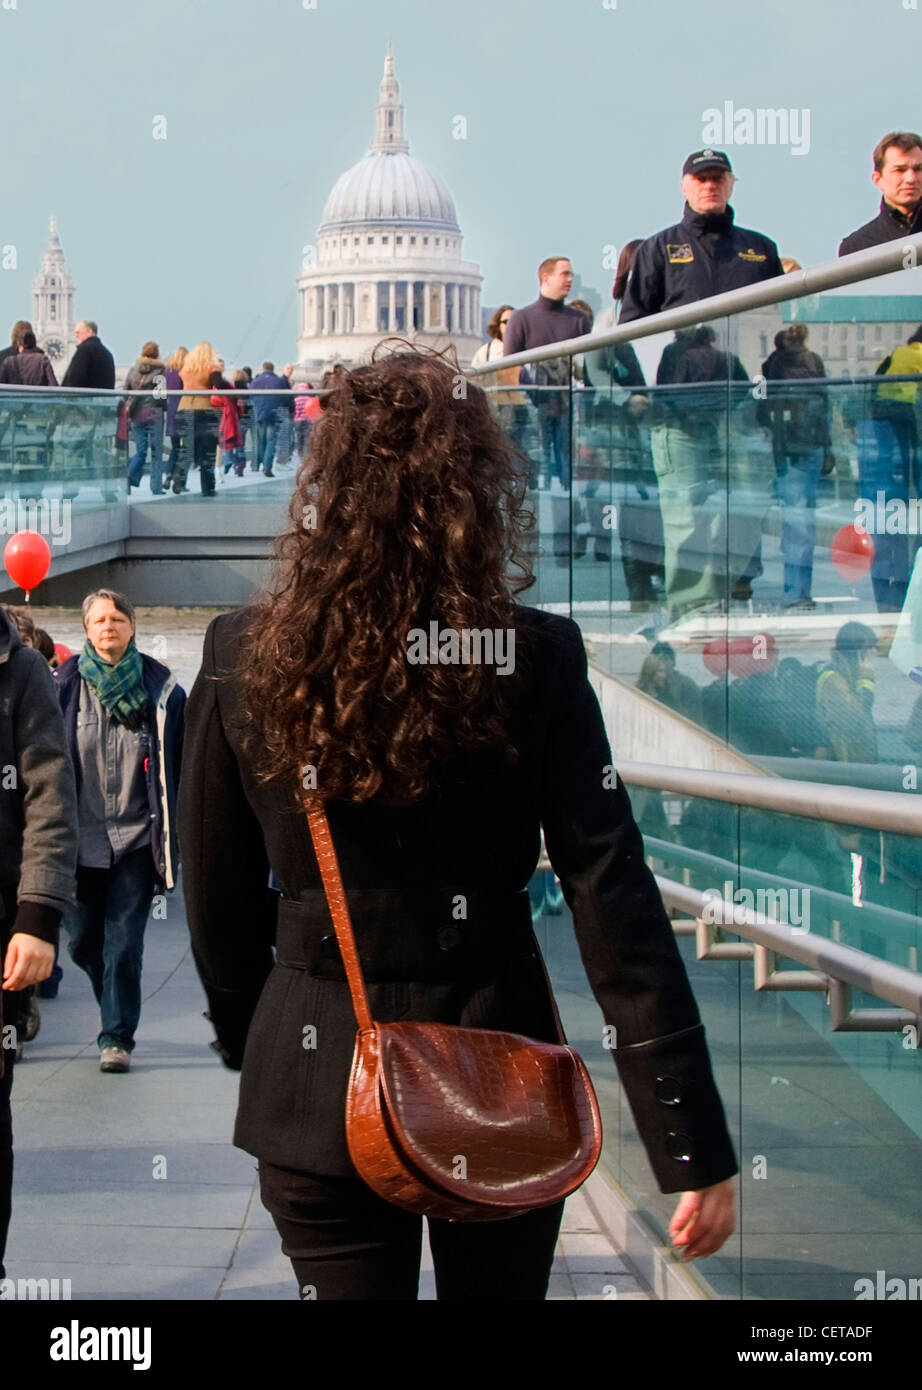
357	674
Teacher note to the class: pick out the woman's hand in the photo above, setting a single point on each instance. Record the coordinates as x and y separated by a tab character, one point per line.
703	1220
29	960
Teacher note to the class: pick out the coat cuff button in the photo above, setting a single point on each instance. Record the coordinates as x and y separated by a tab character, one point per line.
667	1090
679	1146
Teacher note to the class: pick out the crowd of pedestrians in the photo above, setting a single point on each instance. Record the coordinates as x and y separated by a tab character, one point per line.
670	454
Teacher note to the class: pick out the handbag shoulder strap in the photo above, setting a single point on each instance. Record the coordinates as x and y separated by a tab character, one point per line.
339	911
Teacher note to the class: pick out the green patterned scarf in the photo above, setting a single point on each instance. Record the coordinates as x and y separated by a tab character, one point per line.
119	689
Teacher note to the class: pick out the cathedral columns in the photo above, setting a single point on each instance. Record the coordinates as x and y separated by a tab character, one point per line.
341	308
455	308
392	306
443	305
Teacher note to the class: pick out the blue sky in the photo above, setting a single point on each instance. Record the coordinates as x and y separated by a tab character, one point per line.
578	119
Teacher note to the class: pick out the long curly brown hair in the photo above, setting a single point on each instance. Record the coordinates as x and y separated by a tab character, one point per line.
410	508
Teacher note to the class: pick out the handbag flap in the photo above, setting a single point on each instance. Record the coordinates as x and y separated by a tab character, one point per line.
488	1116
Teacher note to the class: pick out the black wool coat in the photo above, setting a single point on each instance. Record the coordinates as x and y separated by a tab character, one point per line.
290	1023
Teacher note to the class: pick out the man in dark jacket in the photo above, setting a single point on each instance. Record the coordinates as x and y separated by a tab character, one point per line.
550	320
123	719
266	415
38	852
703	255
28	366
898	174
92	365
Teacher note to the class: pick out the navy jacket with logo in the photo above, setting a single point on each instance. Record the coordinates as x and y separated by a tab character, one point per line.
703	255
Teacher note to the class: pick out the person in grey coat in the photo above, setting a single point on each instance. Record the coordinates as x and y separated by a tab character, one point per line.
38	853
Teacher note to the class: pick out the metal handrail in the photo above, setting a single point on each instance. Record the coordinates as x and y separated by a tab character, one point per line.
869	916
848	270
900	812
834	963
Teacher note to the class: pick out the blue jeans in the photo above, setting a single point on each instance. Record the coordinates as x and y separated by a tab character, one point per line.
147	434
798	482
555	440
267	432
106	939
885	461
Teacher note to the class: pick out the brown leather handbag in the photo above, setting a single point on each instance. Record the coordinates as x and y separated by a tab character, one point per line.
463	1124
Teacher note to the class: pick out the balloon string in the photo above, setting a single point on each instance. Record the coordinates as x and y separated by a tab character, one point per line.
27	595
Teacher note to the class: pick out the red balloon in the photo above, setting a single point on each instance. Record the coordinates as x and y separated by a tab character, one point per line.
852	551
752	656
714	656
62	652
26	559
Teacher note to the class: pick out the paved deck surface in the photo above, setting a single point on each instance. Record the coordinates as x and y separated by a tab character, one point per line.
89	1205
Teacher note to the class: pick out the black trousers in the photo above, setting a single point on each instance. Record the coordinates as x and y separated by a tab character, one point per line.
11	1019
345	1242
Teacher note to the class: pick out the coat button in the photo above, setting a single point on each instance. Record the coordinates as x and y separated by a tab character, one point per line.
668	1091
329	948
448	938
679	1146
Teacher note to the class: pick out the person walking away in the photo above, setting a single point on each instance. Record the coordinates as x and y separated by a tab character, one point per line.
174	386
797	416
38	854
266	414
146	415
123	718
19	327
230	435
244	410
92	365
197	419
28	366
888	460
615	373
440	789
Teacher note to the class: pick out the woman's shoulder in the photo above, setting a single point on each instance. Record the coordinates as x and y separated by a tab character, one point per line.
550	637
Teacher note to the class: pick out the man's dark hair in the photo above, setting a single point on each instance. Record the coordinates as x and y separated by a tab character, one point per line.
917	336
904	140
27	341
268	366
664	650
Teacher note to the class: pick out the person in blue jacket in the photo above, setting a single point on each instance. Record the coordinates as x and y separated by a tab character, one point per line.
123	718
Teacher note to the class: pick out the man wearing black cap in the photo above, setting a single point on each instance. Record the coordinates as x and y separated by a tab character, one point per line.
708	560
705	253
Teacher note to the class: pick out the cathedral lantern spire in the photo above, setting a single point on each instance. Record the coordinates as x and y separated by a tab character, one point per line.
389	134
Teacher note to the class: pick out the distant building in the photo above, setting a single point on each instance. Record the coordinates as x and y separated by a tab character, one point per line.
852	333
388	257
53	305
